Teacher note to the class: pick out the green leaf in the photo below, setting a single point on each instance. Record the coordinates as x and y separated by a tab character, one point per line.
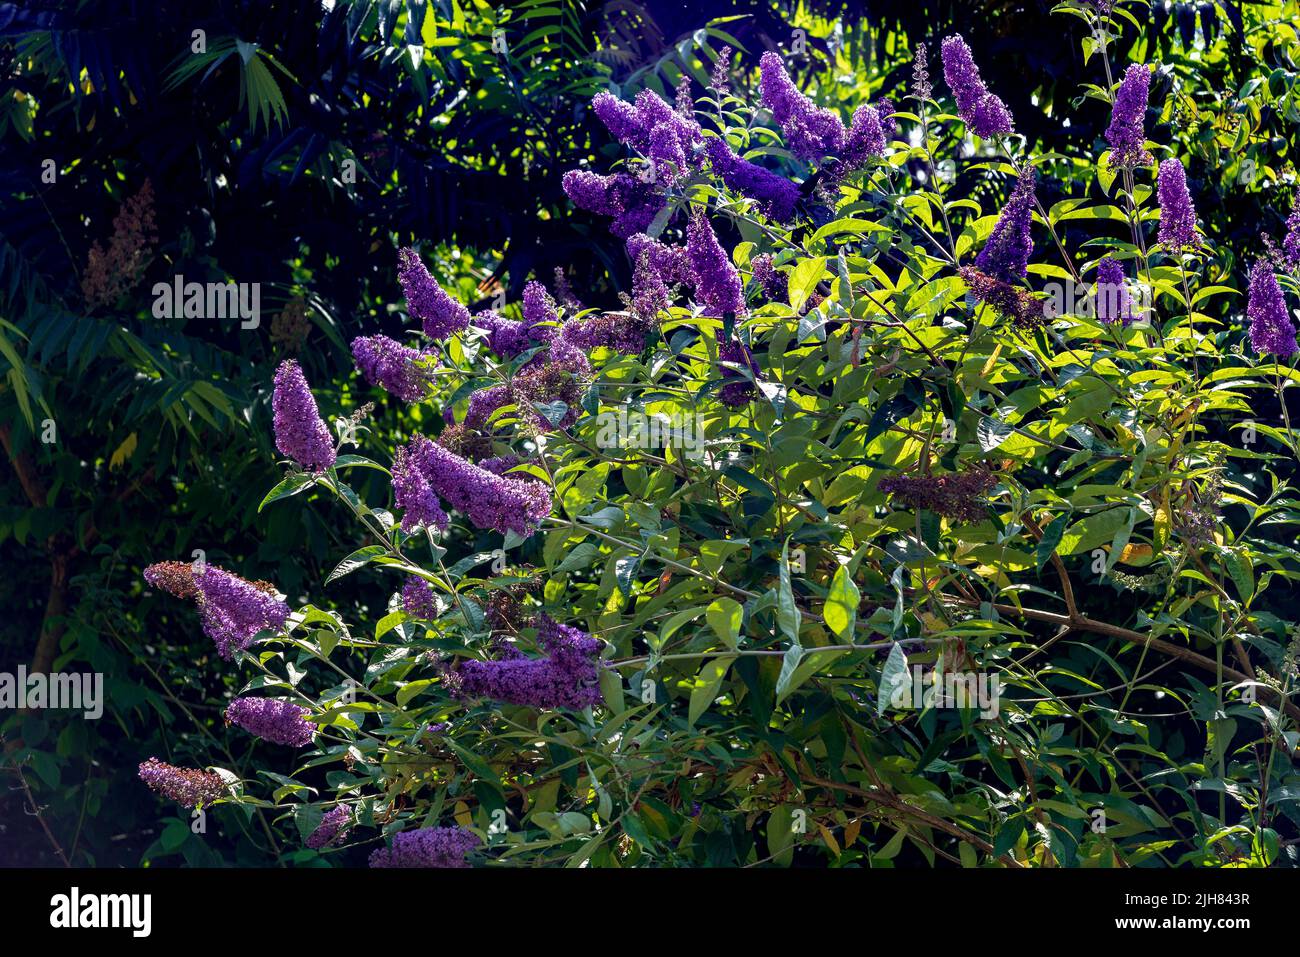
1050	540
991	433
892	676
804	279
725	617
707	683
842	605
291	486
787	612
362	556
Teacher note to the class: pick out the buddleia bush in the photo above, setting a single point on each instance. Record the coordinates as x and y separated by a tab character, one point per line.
883	522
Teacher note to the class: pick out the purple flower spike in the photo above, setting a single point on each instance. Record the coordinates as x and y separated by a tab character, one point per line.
439	314
234	610
185	786
299	431
775	195
1112	301
1291	244
280	722
1271	331
982	111
1125	133
811	132
418	598
333	828
718	287
1177	215
1006	255
427	847
567	677
391	366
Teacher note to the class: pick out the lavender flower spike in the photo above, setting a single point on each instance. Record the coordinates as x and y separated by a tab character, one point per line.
234	610
1177	215
982	111
718	286
1271	331
567	677
810	131
1006	255
390	365
299	431
186	786
1112	300
280	722
333	827
1125	133
427	847
440	315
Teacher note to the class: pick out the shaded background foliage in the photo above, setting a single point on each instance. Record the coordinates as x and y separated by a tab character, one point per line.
250	152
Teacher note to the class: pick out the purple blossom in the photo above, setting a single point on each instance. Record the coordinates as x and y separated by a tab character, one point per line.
499	464
622	120
1006	255
427	847
670	262
717	284
667	153
1291	243
982	111
538	309
440	315
775	285
889	125
424	472
1125	133
483	403
866	138
811	132
392	366
720	78
1177	215
1112	301
567	677
775	195
959	496
299	431
1271	331
921	86
186	786
234	611
506	337
280	722
333	827
418	598
631	202
622	333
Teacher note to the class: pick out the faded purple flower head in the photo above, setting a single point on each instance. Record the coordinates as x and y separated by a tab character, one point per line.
418	598
440	315
280	722
333	827
299	431
567	677
811	132
775	285
392	366
185	786
775	195
1271	330
235	610
1125	133
1177	215
1006	255
959	496
720	79
424	472
982	111
427	847
921	86
717	284
1112	300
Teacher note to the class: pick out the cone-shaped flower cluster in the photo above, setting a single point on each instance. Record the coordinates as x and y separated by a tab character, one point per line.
632	203
811	132
186	786
958	496
425	473
418	598
982	111
775	195
333	828
299	431
1006	255
427	847
1112	301
718	287
567	677
233	610
440	315
1125	134
1271	331
280	722
392	366
1177	215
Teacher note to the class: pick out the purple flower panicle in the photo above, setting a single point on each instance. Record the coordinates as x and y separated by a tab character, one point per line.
1006	255
186	786
233	610
982	111
1291	242
427	847
299	431
1177	215
811	132
1271	330
390	365
418	598
280	722
1112	301
775	195
718	287
333	828
1125	133
567	677
440	315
